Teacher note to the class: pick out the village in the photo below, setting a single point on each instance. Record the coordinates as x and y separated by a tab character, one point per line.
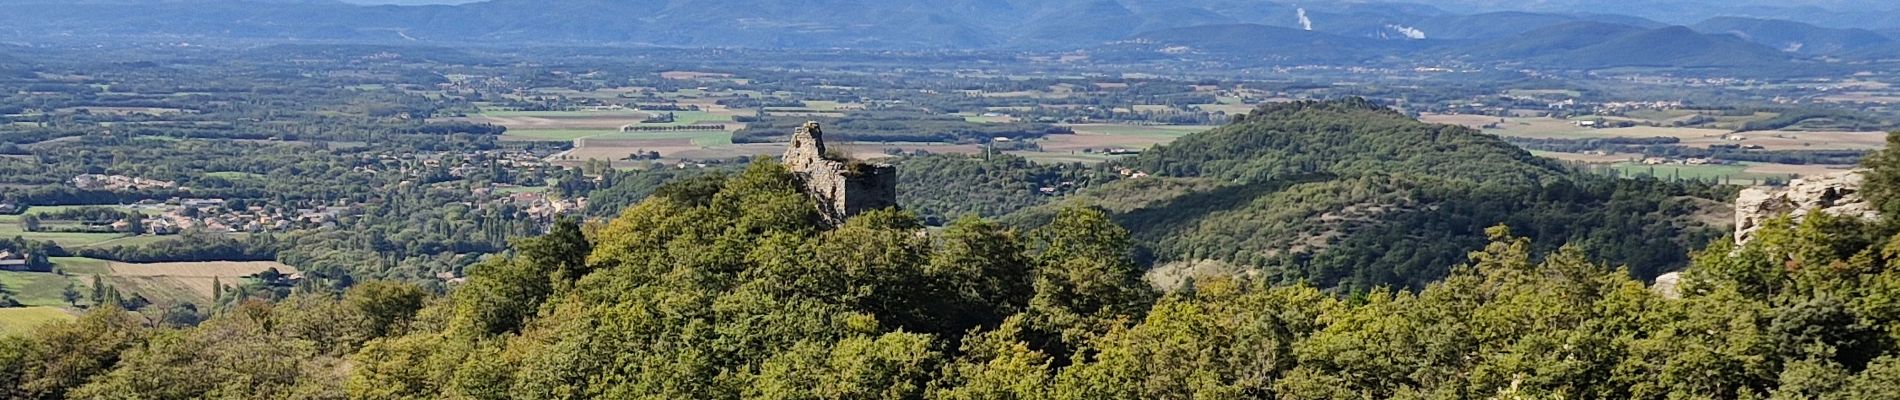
513	178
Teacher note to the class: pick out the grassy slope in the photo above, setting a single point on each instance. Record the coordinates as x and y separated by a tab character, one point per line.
64	239
35	288
20	321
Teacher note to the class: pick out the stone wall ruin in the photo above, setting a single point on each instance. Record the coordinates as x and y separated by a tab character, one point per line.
842	187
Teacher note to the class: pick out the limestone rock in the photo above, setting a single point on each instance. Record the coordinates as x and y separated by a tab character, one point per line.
842	187
1836	194
1667	284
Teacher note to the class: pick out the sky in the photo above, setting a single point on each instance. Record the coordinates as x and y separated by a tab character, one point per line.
1492	4
409	2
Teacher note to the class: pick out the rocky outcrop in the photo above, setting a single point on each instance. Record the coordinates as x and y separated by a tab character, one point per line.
1668	285
1835	194
842	187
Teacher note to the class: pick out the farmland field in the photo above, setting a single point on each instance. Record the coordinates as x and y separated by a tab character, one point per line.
1229	109
1164	131
560	114
185	281
553	134
1587	158
615	146
82	265
1733	174
35	288
979	118
1799	170
1862	97
694	118
1546	128
64	239
1552	128
21	321
1790	140
132	240
41	210
557	120
1048	157
698	138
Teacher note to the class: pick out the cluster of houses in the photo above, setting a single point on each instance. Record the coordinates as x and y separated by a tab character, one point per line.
1558	105
119	183
1131	174
1684	161
1616	107
543	206
214	215
10	261
1065	186
459	166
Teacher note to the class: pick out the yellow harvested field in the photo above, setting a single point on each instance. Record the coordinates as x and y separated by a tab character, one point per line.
1466	120
1229	109
22	321
177	279
617	151
1789	169
1553	128
613	121
1088	140
1793	140
712	106
1588	158
205	269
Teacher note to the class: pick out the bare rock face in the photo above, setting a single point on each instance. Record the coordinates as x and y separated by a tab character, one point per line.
842	187
1667	285
1836	194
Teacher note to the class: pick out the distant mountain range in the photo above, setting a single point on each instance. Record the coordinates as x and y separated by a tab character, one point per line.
1575	44
1795	36
1337	31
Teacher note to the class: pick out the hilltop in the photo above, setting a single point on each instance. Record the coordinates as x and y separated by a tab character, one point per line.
1351	194
732	288
1795	36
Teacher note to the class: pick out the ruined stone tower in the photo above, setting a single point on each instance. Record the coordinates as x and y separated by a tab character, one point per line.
842	187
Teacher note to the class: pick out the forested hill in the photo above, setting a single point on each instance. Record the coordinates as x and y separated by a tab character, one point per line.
1350	194
730	289
1348	137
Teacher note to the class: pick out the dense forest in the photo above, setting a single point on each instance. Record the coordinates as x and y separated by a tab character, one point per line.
734	290
1350	194
944	187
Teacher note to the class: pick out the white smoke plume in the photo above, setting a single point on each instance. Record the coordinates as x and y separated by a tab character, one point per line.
1409	32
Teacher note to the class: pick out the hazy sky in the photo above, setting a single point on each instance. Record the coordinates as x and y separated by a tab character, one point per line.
1500	4
410	2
